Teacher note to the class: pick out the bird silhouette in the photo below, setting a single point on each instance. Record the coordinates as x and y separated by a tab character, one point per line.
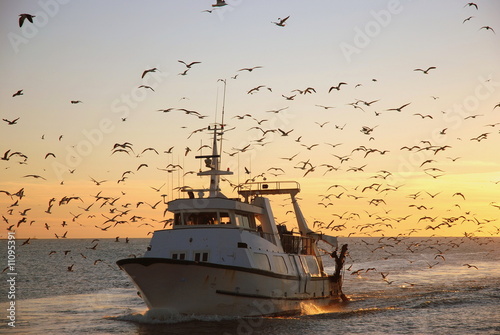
146	86
284	133
18	93
467	19
487	28
399	108
427	70
219	3
281	22
337	87
471	4
149	70
11	122
190	64
250	69
23	17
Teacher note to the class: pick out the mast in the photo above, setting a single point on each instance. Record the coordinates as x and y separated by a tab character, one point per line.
223	110
213	161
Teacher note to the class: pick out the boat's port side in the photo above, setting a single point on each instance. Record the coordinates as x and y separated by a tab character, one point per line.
205	288
246	249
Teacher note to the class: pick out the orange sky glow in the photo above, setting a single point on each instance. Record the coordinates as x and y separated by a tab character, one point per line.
393	151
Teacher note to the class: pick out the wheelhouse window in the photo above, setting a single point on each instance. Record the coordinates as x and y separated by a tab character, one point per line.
202	218
224	218
261	261
244	220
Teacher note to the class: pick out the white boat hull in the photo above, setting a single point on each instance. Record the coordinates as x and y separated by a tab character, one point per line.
201	288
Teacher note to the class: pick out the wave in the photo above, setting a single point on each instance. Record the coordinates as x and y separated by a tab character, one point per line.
166	316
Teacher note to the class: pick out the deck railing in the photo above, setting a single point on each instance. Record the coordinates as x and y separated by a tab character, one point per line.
294	244
268	187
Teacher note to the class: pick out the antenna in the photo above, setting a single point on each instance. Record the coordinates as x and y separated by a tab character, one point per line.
223	109
213	161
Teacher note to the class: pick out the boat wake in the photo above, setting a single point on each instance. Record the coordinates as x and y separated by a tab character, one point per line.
166	316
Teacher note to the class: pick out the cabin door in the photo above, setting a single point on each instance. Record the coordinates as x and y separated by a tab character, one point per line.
296	263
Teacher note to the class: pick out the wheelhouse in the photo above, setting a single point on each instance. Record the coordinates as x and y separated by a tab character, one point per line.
186	219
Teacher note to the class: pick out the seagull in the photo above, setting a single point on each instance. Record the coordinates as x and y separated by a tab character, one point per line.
321	125
23	17
281	22
146	86
35	176
470	4
188	65
20	92
424	116
219	3
470	266
76	102
426	71
487	28
276	111
284	133
289	158
255	89
150	70
98	183
336	87
11	122
400	108
467	19
325	107
250	69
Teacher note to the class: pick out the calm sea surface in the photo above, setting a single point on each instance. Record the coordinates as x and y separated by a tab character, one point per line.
427	289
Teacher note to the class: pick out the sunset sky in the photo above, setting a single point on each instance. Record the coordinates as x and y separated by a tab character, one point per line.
445	182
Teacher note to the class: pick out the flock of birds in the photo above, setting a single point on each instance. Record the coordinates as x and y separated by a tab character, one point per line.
105	210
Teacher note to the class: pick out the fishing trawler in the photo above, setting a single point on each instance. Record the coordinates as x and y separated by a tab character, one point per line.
228	256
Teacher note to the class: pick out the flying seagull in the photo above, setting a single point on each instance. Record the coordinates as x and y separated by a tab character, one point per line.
399	108
11	122
20	92
250	69
150	70
188	65
336	87
146	86
219	3
467	19
281	22
426	71
23	17
470	4
487	28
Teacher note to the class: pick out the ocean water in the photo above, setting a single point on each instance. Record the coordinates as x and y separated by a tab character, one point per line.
427	289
